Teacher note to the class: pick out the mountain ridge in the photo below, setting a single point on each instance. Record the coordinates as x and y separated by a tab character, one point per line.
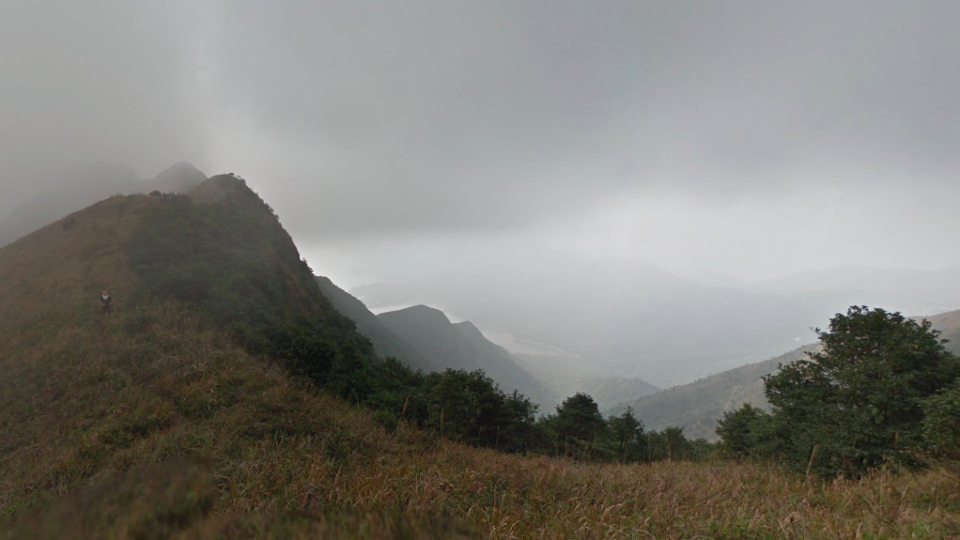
697	406
384	340
463	346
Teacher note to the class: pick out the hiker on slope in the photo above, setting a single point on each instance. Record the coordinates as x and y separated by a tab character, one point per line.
105	302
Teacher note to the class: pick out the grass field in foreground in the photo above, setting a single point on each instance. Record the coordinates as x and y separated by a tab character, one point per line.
83	416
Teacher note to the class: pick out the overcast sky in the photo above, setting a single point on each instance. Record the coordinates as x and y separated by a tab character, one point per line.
752	138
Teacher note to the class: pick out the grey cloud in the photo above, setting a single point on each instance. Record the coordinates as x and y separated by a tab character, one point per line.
405	121
432	115
100	80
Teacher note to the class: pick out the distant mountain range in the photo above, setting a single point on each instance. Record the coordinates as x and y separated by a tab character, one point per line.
632	319
385	341
424	338
86	186
462	346
567	375
615	323
627	318
697	406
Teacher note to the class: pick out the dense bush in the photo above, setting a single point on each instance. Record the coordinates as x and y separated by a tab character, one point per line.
858	403
628	437
941	426
746	433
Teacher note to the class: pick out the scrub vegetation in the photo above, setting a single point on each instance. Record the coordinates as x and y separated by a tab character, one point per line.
881	390
224	398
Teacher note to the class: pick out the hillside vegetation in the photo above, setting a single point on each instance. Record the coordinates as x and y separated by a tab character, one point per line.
86	186
696	407
384	340
880	391
101	415
463	346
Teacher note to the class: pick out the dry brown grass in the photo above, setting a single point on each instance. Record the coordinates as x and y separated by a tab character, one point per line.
85	400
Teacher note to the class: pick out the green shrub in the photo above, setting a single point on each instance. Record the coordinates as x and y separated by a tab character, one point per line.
941	427
857	404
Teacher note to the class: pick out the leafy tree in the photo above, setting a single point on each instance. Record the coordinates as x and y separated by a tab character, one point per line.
745	432
941	427
517	433
454	408
674	442
578	423
626	432
698	449
399	392
858	400
671	445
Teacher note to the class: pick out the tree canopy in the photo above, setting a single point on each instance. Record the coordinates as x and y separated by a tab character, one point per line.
859	400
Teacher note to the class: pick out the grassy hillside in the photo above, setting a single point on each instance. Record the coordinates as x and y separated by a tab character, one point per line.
462	346
87	186
100	417
697	406
384	340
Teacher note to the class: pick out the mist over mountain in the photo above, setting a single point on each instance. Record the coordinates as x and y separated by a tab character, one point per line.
949	326
80	187
628	317
565	375
463	346
385	341
916	292
696	407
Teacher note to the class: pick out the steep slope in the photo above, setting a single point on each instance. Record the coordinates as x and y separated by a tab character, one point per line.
384	340
502	366
87	186
697	406
462	346
88	400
